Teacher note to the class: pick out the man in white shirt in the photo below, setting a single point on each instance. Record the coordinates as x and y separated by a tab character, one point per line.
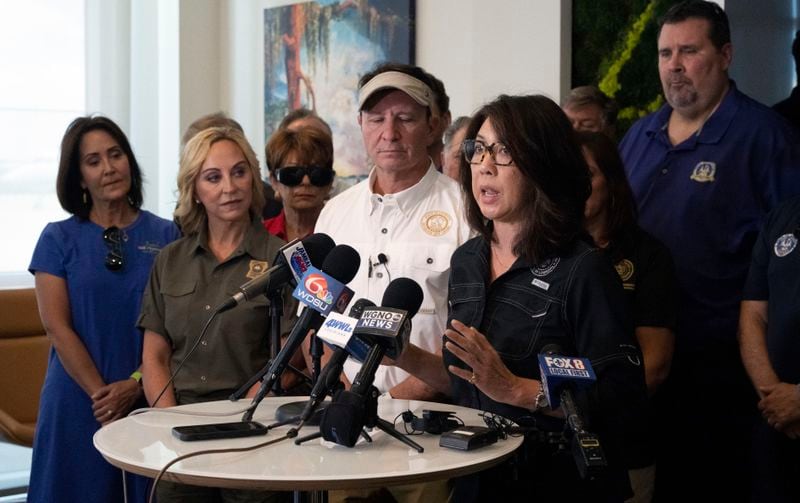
406	219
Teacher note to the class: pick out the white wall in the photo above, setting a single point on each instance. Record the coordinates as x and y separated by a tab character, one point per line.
482	49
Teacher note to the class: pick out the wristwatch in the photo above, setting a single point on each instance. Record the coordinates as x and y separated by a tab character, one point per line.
540	402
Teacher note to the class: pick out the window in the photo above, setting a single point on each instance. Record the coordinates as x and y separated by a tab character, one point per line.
42	90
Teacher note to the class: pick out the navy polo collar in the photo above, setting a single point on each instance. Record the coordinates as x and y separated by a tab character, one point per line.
712	131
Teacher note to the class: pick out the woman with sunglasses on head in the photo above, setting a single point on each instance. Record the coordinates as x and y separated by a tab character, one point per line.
220	199
300	164
530	280
90	271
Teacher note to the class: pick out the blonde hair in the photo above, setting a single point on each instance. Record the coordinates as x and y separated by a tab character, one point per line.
189	212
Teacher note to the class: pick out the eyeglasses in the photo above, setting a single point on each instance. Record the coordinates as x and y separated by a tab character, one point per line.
112	237
291	176
475	150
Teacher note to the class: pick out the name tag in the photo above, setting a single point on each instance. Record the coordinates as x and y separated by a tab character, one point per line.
544	285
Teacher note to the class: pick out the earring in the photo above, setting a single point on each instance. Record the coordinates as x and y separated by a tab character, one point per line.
85	196
130	200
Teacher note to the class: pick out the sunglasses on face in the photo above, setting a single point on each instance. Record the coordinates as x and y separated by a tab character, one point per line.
292	176
112	237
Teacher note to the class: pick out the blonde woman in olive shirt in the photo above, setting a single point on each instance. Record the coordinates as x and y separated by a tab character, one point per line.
225	245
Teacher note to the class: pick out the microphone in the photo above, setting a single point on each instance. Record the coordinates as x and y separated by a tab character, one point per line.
560	375
386	328
291	263
340	265
337	332
350	411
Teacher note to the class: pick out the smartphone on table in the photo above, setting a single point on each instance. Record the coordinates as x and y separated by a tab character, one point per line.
219	430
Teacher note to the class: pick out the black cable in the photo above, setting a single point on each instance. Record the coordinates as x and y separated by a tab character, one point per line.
289	434
180	365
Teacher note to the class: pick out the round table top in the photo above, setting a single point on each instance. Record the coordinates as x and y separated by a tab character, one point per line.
144	444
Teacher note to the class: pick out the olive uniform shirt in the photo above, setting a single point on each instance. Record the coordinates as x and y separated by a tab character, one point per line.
186	284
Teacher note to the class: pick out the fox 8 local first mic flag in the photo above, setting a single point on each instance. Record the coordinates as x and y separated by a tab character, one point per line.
560	371
321	292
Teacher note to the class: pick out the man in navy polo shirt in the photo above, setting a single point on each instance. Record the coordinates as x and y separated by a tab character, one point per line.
705	169
769	338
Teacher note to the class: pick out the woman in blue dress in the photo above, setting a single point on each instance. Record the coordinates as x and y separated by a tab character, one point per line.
90	271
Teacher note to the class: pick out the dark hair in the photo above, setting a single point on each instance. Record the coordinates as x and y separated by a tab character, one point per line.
217	119
303	113
310	145
719	30
437	87
543	146
442	99
68	181
620	206
590	95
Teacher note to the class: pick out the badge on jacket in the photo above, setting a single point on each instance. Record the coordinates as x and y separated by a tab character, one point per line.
257	268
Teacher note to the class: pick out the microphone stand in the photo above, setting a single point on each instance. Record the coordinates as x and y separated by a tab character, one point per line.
275	314
316	351
372	420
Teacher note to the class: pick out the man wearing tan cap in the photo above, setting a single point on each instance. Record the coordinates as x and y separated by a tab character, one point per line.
406	218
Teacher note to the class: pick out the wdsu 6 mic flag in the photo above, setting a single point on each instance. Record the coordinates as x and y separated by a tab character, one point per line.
321	292
290	263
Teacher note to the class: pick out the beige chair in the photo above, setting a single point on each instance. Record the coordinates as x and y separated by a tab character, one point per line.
23	363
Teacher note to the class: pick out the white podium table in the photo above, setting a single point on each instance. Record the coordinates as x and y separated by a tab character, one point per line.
144	444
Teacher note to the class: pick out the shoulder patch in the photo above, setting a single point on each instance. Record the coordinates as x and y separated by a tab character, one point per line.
785	245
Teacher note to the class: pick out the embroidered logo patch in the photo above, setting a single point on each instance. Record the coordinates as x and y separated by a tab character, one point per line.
625	269
435	223
704	172
257	268
151	248
785	245
546	267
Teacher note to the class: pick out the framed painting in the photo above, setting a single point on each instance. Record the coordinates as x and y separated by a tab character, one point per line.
314	54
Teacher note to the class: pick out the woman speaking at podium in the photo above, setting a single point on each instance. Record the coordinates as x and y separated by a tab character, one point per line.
530	278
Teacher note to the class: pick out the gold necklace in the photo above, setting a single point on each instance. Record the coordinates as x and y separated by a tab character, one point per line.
496	256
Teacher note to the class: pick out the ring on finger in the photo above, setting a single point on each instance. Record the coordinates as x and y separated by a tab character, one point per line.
472	378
